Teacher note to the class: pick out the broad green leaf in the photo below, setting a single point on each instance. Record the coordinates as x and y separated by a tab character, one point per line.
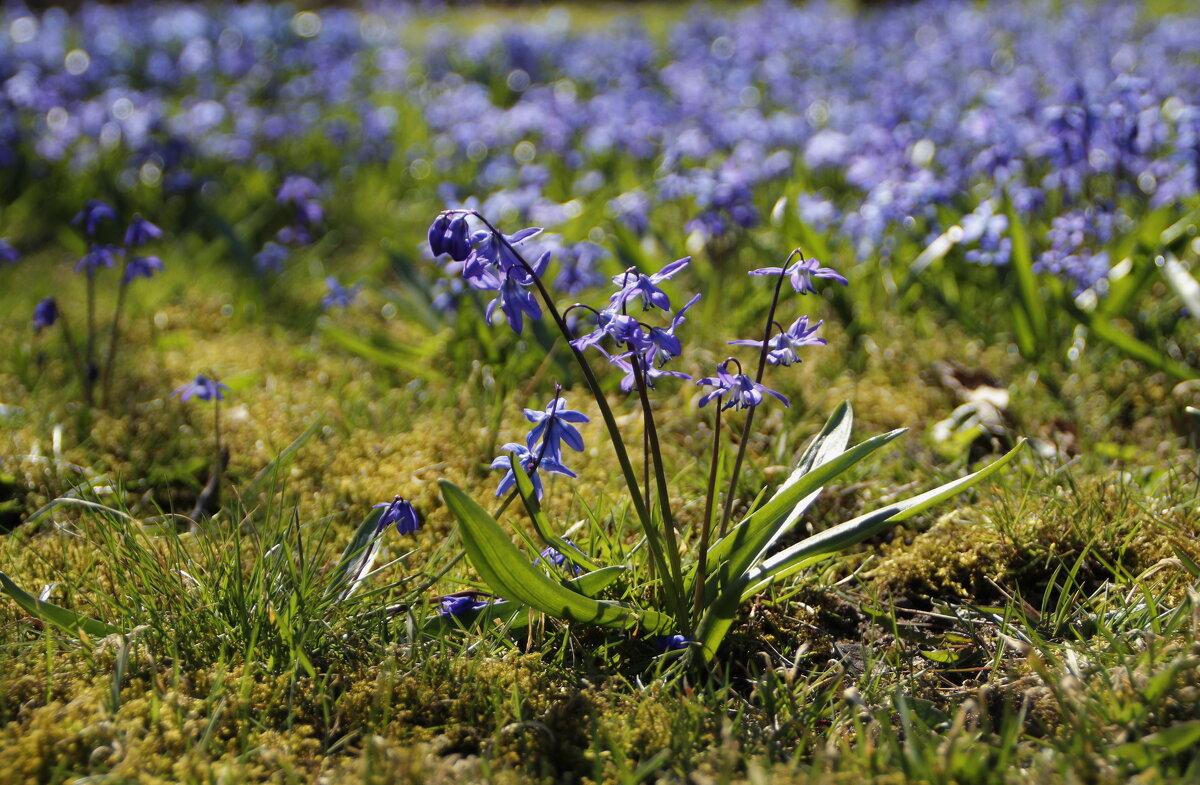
68	620
542	524
358	557
591	583
1027	285
719	614
1106	330
741	549
851	532
510	575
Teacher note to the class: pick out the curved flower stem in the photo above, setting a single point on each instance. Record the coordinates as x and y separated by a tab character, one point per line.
706	521
762	364
110	360
664	497
653	539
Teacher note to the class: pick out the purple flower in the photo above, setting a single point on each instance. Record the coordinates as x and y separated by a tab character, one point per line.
515	301
339	296
674	642
94	213
297	189
271	258
461	604
556	557
743	392
802	273
98	256
140	232
400	512
621	328
781	349
666	346
202	388
529	462
635	284
450	234
553	426
141	267
649	371
8	254
45	314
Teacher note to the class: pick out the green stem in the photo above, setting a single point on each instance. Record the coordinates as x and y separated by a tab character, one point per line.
610	422
89	368
664	496
762	364
706	521
110	360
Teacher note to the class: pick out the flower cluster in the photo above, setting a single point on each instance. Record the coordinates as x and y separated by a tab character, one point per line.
552	427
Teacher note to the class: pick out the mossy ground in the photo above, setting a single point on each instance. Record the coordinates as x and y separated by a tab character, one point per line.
1043	627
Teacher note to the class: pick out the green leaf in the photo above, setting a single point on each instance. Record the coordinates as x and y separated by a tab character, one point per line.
1106	330
719	614
1176	739
542	524
510	575
415	361
1027	287
745	546
68	620
358	557
592	583
851	532
281	460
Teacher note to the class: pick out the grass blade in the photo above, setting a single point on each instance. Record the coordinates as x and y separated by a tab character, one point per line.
68	620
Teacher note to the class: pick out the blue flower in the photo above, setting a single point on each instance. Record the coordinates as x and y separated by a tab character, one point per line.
93	214
635	284
621	328
782	347
461	604
450	234
141	267
297	189
553	426
529	462
802	273
674	642
202	388
743	392
339	296
400	512
556	557
271	258
98	256
140	232
8	254
649	371
666	346
45	314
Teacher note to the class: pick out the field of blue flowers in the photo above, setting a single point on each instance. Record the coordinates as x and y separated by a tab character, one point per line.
657	393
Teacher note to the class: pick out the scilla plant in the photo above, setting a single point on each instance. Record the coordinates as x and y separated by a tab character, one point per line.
698	590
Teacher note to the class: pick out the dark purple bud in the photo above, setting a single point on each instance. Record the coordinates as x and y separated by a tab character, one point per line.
45	314
458	239
437	234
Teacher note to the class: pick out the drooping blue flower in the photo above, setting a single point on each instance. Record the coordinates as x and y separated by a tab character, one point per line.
553	426
552	555
98	256
782	347
140	232
624	330
202	388
461	604
515	301
141	267
457	241
650	372
437	234
339	296
529	462
801	273
636	284
666	346
94	213
398	511
8	254
742	391
665	643
45	314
